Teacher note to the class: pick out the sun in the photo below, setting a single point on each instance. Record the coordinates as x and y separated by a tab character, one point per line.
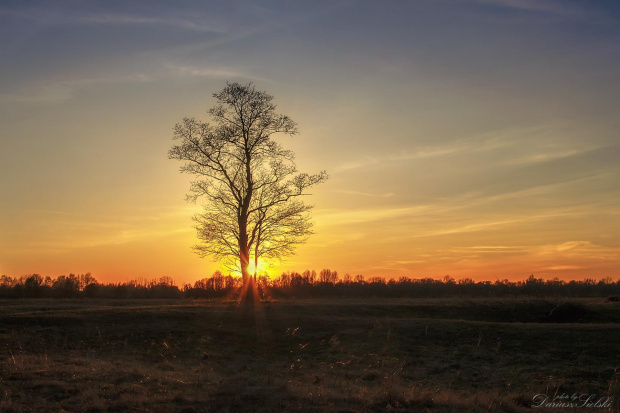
260	269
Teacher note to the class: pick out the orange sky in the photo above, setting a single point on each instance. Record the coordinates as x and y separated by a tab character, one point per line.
476	139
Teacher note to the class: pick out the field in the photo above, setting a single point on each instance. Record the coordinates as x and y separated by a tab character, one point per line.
435	355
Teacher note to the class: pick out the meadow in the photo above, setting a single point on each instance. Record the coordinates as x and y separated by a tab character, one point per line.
313	355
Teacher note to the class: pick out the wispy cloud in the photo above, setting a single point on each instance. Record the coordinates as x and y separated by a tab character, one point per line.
331	240
550	252
60	231
552	155
563	257
541	6
51	93
209	72
478	198
91	235
491	249
565	247
571	254
486	142
367	194
200	23
443	216
342	217
63	90
509	147
401	157
564	267
495	224
400	263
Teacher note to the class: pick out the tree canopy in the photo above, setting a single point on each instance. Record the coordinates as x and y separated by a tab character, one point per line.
250	182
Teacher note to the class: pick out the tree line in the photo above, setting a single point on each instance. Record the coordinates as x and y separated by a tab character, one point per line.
309	284
85	286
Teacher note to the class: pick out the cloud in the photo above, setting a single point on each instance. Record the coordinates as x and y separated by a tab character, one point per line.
552	155
200	23
500	150
498	223
400	263
486	142
52	93
63	90
539	6
497	248
91	235
331	240
564	267
343	217
447	216
569	246
62	231
210	72
477	198
367	194
401	157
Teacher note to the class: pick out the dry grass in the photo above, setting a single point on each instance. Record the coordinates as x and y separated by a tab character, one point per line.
319	355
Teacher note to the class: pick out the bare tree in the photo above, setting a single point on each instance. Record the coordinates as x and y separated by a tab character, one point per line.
250	182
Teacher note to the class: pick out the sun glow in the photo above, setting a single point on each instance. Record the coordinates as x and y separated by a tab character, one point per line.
260	269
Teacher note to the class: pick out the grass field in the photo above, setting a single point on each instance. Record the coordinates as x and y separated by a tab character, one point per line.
437	355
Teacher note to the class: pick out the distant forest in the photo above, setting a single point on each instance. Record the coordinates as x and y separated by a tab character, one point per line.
308	284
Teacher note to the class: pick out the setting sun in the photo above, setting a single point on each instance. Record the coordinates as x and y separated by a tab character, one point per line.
260	269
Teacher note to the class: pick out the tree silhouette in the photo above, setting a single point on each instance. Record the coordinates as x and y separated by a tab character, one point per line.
250	182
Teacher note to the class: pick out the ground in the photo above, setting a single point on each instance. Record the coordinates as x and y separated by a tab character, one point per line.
435	355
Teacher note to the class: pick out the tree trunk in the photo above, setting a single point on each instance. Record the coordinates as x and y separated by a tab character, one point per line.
255	261
245	262
247	291
244	250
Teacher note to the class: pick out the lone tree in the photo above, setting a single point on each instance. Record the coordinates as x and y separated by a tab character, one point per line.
250	182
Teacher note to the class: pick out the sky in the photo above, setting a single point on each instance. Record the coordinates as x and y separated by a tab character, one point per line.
470	138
